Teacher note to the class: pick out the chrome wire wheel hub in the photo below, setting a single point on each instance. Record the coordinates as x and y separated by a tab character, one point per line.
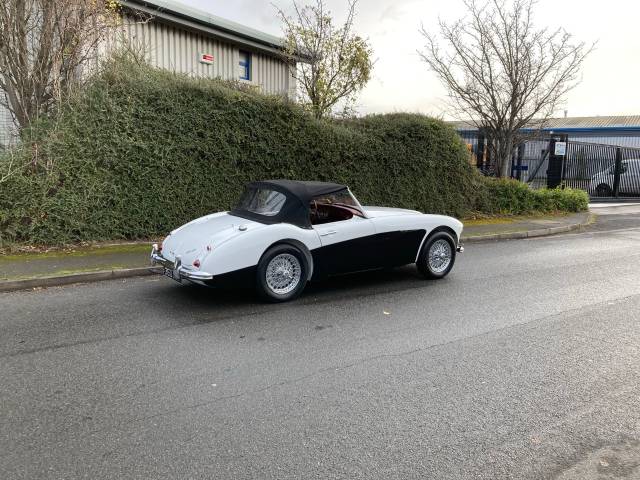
283	273
439	256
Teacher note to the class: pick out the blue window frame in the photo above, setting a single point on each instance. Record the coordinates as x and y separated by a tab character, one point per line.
244	66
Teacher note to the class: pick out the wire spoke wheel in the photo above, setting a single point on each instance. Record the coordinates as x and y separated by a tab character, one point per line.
283	273
439	256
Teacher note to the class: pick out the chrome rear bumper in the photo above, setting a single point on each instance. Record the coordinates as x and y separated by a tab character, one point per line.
179	271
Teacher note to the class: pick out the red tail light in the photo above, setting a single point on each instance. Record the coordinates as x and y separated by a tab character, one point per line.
196	263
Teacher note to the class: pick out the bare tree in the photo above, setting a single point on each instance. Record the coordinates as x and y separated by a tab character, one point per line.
44	46
338	62
501	72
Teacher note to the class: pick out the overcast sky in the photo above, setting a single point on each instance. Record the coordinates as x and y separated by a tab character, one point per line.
401	82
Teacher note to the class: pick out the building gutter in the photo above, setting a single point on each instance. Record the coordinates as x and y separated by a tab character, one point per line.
201	22
592	130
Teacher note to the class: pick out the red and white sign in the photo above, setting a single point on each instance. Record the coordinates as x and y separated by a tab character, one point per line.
206	58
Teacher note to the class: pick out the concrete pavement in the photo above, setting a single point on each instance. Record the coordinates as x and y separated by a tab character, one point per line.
525	227
613	216
80	260
523	363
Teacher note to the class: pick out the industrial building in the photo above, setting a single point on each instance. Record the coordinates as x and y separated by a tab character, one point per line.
190	41
622	131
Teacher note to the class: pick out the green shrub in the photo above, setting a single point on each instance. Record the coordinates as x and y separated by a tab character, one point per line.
142	151
511	197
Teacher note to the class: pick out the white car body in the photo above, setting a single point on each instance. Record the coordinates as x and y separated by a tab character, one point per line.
602	183
223	246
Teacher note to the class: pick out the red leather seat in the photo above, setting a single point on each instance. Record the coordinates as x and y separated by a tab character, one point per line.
326	213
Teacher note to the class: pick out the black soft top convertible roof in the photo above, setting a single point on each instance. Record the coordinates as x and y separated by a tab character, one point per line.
305	191
296	207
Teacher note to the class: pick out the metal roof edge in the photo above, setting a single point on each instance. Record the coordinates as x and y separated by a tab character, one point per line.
198	20
587	125
566	129
593	129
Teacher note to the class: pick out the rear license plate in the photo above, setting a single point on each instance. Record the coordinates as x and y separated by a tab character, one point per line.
171	274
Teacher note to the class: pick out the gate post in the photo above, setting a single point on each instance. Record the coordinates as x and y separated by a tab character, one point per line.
564	138
555	172
617	172
480	149
519	161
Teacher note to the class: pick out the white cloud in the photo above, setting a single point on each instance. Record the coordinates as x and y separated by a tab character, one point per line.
401	82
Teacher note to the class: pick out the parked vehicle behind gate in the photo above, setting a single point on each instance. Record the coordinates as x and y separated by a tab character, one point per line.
603	184
284	233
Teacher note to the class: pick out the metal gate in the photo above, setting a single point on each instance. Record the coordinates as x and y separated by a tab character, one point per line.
553	160
604	171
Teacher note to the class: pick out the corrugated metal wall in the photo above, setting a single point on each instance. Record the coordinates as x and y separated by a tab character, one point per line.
7	129
620	139
178	50
611	138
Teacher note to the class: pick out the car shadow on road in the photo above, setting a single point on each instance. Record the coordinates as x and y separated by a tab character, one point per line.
333	289
364	284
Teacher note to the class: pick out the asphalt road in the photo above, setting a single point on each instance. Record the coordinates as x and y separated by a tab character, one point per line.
524	363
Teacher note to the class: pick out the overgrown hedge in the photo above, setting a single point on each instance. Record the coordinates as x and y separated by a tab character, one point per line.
142	151
511	197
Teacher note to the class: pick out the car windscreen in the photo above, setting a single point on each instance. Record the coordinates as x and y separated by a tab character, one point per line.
261	201
342	198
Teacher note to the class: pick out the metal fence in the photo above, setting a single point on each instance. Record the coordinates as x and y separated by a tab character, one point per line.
600	170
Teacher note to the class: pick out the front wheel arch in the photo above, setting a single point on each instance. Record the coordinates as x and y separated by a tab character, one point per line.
441	228
444	228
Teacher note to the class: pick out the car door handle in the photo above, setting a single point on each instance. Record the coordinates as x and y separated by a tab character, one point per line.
330	232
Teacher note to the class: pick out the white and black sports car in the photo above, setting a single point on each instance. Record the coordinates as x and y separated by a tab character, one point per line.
284	233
